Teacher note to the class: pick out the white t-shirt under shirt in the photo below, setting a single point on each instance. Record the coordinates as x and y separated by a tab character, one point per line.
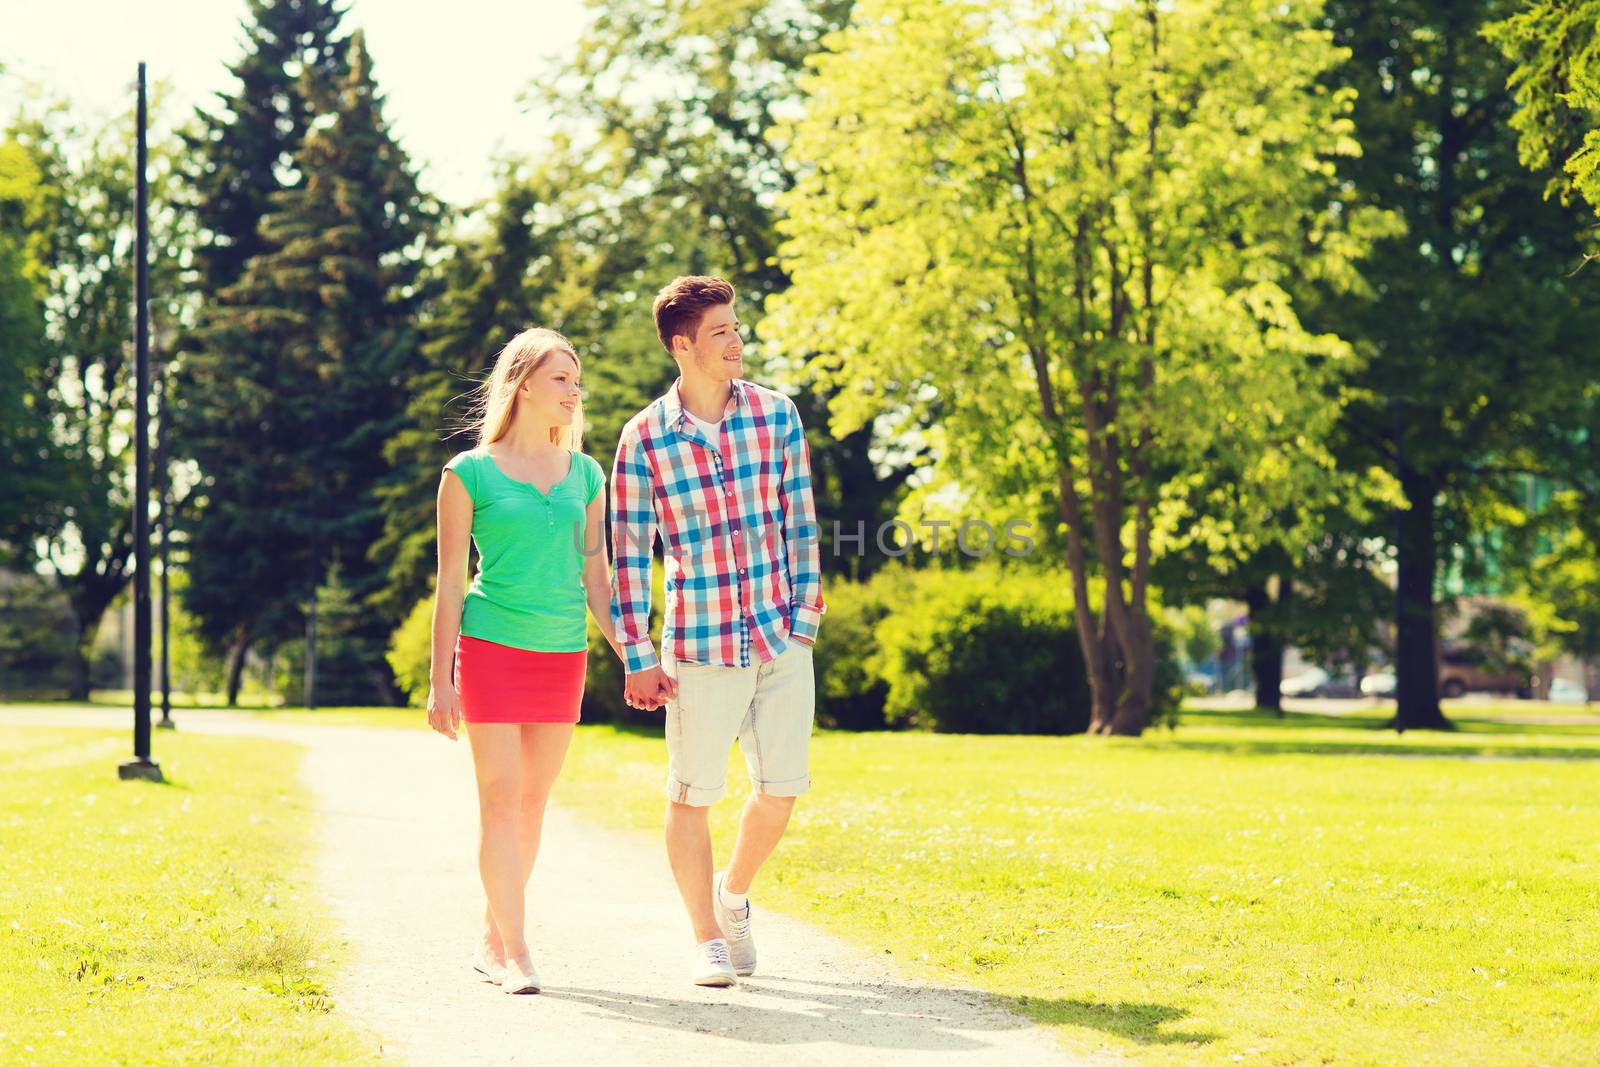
712	430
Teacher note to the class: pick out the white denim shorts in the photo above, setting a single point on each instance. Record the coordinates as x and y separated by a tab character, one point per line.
769	707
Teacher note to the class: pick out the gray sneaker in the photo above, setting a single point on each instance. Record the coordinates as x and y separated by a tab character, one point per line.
736	928
711	966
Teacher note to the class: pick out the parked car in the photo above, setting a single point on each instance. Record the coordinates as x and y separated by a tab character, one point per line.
1566	691
1462	670
1380	684
1316	682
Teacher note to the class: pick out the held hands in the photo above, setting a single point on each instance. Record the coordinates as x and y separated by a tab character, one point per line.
444	710
650	688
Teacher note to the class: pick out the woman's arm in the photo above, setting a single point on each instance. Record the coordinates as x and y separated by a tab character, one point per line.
597	570
455	532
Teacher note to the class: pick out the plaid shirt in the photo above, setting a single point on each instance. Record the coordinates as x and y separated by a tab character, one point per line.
738	525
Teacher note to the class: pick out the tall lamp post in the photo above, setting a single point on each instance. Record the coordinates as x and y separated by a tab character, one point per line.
141	766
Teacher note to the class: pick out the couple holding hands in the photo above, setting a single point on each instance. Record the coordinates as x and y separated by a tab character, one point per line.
718	470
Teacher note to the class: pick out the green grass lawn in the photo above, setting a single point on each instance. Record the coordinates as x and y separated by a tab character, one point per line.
160	924
1234	891
1314	889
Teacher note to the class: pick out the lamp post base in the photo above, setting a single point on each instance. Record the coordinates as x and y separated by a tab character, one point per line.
147	769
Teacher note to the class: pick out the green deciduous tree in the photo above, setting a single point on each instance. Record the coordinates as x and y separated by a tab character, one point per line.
672	105
30	468
1556	83
1561	584
87	241
542	253
1069	229
1480	337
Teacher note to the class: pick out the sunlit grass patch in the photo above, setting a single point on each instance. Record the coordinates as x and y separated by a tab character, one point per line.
172	923
1224	893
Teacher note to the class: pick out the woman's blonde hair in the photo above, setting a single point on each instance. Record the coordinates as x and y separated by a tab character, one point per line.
496	398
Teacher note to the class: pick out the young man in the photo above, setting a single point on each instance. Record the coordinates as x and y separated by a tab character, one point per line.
718	467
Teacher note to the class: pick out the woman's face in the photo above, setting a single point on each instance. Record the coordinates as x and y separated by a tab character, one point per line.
553	390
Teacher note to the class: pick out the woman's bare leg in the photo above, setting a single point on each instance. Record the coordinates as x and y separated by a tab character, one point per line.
497	760
543	750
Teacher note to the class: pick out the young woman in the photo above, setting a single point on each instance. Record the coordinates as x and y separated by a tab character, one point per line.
509	653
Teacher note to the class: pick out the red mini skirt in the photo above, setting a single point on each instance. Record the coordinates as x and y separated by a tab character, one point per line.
498	683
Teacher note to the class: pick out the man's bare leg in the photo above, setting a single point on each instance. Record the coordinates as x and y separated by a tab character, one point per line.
689	852
761	827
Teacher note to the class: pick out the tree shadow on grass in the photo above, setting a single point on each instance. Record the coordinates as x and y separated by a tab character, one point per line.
1308	747
1142	1024
1359	734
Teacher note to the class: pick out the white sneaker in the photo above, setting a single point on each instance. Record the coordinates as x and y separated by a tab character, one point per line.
711	966
736	925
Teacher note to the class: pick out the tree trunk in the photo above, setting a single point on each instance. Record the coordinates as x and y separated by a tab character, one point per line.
1416	648
310	698
90	596
1129	627
389	694
310	695
1095	644
1129	720
1266	644
236	659
78	665
1104	684
1139	675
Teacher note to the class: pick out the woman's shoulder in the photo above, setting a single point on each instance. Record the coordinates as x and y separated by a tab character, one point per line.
467	466
472	457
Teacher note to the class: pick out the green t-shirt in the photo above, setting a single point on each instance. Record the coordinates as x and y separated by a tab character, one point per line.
528	592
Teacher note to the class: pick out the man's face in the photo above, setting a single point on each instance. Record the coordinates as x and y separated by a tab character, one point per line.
717	351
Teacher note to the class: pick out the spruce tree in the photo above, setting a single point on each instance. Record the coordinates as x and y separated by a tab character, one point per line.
326	317
486	294
244	153
244	150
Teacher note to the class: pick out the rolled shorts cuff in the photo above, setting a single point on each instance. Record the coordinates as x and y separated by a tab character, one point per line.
694	796
793	787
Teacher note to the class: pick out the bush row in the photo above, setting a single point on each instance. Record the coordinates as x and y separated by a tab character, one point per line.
974	651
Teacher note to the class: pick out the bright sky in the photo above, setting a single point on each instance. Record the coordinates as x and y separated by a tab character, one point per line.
452	73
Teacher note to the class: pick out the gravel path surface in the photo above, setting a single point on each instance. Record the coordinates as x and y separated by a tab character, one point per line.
397	865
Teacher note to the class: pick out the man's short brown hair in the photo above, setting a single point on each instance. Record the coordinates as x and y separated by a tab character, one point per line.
682	303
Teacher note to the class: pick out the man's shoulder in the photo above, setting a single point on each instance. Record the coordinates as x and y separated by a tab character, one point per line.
643	424
764	400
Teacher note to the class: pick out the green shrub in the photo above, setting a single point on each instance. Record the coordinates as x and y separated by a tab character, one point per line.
351	667
984	651
410	652
602	686
37	637
851	690
970	651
